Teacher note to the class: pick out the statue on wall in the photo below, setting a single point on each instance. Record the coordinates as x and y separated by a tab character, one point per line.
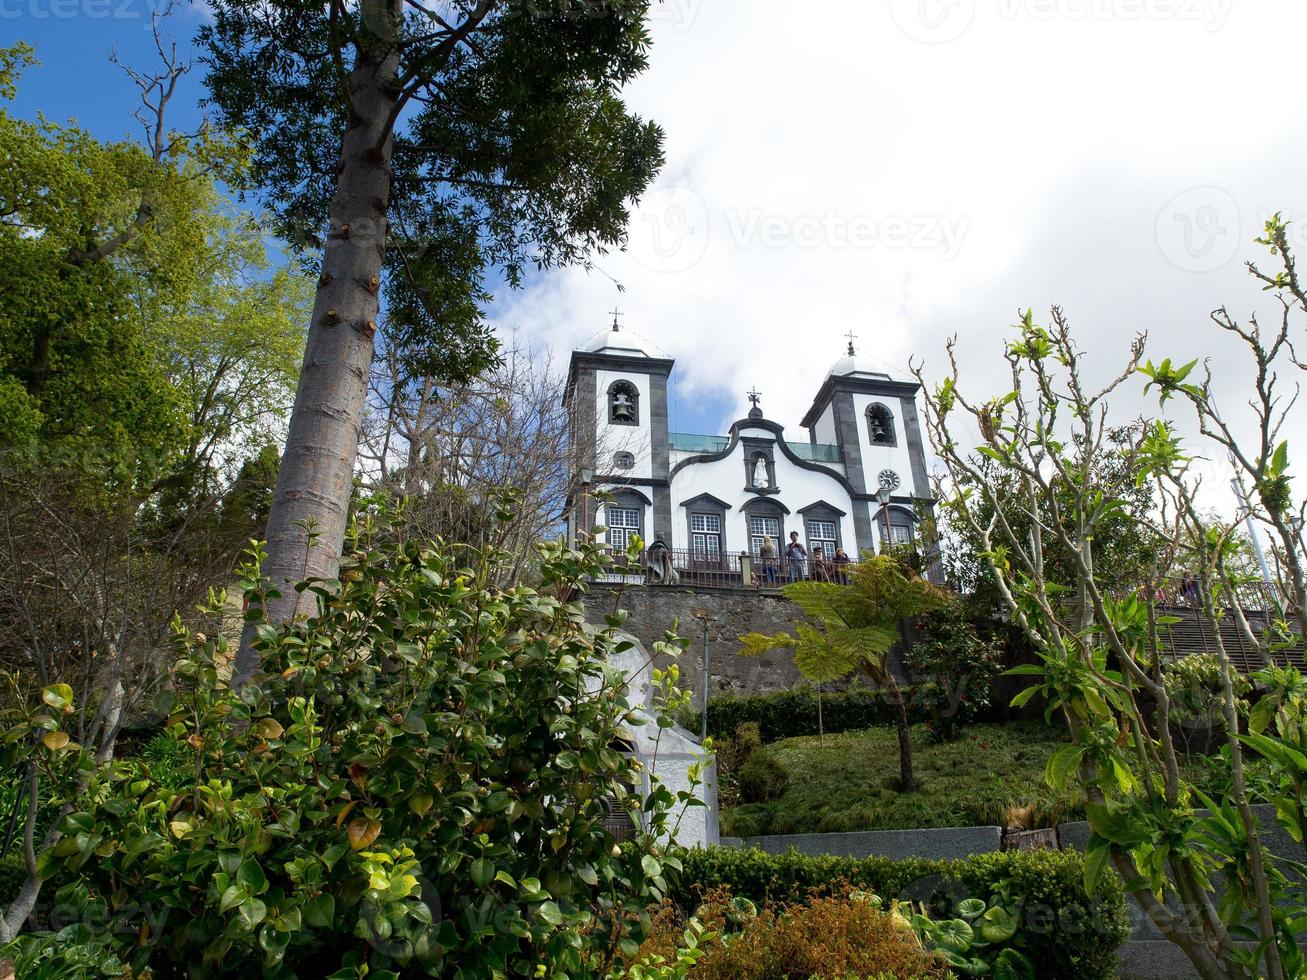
760	477
659	569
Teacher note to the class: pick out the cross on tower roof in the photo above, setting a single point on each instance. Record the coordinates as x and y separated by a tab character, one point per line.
852	337
616	325
754	396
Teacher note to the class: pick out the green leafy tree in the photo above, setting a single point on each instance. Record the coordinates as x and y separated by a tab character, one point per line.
147	347
421	782
421	148
1124	548
1102	657
954	668
853	629
78	366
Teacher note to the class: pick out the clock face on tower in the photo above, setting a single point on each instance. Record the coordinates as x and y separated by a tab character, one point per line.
889	480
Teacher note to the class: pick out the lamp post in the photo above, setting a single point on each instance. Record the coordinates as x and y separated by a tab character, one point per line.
701	614
587	477
882	498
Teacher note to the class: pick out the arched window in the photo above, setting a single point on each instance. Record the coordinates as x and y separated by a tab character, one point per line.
623	403
623	460
880	425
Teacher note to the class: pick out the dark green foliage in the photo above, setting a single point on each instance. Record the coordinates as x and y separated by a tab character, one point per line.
515	152
76	952
416	780
762	778
786	714
731	752
1062	931
960	666
12	874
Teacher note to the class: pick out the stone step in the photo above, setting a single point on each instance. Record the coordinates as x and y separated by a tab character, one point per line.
1153	960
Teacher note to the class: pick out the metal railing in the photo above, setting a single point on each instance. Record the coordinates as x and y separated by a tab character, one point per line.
688	442
816	452
730	569
1251	596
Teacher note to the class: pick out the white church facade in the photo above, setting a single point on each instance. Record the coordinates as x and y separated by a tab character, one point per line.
850	478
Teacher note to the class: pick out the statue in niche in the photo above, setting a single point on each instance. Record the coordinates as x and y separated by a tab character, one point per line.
760	478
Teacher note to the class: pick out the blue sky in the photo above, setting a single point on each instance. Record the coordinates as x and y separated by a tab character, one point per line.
76	80
906	177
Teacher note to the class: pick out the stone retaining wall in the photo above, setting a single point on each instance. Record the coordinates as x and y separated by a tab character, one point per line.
940	844
652	611
732	612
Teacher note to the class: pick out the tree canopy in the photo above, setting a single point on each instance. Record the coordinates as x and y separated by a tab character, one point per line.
512	149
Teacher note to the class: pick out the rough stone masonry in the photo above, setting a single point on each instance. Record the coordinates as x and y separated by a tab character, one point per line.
731	613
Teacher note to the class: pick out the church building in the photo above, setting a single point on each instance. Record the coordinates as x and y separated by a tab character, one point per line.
851	476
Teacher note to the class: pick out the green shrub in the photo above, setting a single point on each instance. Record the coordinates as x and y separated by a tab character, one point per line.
731	753
786	714
169	759
73	953
762	778
1062	931
960	667
417	780
836	936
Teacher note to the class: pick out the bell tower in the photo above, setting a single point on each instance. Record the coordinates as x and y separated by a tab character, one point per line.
617	408
873	418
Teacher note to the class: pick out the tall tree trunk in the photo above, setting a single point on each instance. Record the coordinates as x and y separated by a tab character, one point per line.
317	465
907	779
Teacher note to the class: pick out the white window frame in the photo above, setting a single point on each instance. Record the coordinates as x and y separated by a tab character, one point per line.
622	523
829	542
758	526
706	536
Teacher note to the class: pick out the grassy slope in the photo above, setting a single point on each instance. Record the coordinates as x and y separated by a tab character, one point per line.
848	785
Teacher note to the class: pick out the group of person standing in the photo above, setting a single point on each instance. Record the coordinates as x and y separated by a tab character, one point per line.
798	565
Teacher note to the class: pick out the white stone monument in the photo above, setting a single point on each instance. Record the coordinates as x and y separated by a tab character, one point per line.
668	752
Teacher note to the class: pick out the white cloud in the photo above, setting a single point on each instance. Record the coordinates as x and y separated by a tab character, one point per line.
828	171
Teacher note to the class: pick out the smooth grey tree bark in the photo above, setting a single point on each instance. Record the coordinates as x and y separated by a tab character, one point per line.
307	519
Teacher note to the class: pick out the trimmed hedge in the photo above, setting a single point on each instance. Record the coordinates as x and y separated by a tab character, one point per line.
786	714
1064	932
